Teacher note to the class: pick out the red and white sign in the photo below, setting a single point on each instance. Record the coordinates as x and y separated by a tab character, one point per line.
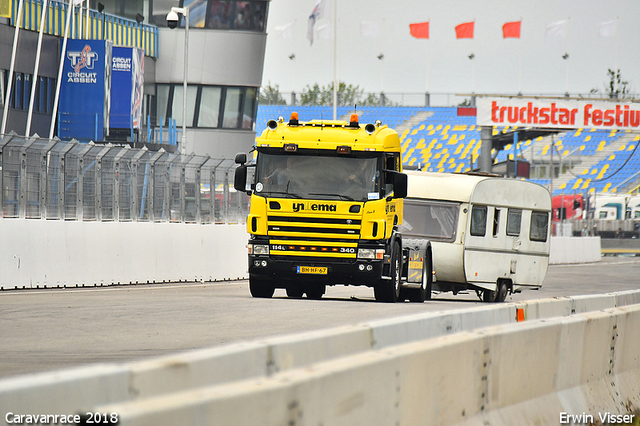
559	113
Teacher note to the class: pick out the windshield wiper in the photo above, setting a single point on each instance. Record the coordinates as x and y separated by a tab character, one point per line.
343	197
282	192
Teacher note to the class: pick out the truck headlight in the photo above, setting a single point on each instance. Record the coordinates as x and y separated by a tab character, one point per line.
258	249
371	254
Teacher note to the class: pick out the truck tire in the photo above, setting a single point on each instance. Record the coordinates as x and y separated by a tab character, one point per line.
389	290
262	288
315	291
294	290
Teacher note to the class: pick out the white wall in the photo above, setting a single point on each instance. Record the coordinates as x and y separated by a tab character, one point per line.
68	253
574	250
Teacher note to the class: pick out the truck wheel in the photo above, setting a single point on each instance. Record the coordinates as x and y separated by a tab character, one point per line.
261	287
424	292
315	291
294	290
389	290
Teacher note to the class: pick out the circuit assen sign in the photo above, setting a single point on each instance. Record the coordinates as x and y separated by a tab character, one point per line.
524	112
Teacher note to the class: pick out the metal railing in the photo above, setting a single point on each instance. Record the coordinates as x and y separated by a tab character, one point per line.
100	26
54	179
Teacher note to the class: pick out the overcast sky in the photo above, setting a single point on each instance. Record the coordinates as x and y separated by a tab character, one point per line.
532	64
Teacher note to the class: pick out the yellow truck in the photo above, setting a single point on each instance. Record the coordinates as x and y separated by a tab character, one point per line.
326	203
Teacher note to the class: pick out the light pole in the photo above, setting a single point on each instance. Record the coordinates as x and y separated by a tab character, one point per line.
172	22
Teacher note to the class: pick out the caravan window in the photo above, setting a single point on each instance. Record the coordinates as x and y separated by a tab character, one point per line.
514	220
479	221
539	226
431	219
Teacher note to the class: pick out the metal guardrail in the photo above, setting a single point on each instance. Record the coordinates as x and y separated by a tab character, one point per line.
54	179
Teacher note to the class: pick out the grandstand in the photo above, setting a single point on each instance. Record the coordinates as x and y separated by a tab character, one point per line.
447	139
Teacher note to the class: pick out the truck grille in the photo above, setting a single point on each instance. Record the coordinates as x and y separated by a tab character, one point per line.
313	237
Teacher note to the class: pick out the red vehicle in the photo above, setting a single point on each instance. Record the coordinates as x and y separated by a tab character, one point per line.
567	207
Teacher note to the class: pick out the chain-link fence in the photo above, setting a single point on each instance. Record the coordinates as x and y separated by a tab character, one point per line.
54	179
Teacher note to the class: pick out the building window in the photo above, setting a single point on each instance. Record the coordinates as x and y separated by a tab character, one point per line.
208	106
227	14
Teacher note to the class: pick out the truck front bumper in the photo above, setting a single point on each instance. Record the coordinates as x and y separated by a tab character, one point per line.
326	271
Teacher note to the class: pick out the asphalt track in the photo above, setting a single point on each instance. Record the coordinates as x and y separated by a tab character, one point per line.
51	329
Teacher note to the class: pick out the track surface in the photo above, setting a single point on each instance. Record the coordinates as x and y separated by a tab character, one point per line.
42	330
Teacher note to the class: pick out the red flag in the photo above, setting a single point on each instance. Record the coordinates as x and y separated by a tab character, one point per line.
465	30
511	29
420	30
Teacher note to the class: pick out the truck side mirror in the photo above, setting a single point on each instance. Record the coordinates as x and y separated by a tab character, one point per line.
400	185
241	158
399	181
240	178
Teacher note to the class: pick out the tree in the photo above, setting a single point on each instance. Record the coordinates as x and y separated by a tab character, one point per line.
347	95
270	95
616	87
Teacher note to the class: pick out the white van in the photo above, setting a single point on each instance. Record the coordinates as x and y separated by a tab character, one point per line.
488	234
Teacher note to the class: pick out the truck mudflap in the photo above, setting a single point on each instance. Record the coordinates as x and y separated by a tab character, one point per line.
416	252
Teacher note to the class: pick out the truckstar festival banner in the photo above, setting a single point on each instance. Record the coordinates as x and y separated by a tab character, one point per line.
524	112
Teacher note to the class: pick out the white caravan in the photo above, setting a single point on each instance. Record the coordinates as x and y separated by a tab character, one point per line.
488	234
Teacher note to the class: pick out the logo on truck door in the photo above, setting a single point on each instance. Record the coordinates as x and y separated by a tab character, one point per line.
314	207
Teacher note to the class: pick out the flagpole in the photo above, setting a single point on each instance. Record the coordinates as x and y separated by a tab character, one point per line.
335	60
428	70
70	11
34	81
5	110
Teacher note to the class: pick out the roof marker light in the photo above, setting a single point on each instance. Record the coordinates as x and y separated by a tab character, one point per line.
293	121
354	121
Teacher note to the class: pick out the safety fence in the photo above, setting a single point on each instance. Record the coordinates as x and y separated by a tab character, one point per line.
92	25
54	179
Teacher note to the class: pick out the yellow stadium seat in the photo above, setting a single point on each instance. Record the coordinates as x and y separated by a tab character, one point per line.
586	184
421	127
587	138
563	186
631	148
622	148
606	187
414	131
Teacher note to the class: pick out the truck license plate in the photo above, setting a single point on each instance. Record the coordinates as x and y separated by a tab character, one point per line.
322	270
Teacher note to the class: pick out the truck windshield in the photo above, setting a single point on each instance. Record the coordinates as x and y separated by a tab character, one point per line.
317	177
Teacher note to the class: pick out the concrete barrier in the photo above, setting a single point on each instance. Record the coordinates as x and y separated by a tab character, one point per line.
43	253
52	253
567	250
277	369
530	373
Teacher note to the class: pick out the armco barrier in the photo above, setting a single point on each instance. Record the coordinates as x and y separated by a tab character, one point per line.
276	368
